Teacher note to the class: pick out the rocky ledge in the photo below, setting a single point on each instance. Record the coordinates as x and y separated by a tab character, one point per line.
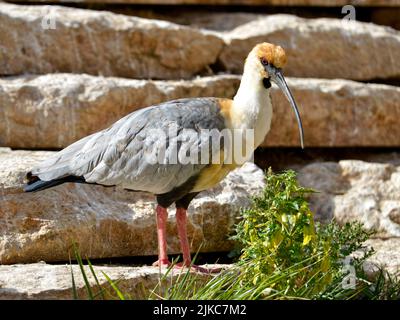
43	281
351	190
52	111
48	39
319	48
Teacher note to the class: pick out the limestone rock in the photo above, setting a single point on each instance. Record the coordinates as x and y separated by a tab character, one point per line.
47	39
353	190
320	48
52	111
386	256
108	222
43	281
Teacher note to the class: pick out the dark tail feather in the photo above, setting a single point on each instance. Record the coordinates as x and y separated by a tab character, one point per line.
35	184
41	185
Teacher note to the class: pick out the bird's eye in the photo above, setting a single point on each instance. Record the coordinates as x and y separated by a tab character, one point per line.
264	61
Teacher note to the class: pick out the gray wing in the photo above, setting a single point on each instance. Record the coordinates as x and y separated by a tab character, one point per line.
146	150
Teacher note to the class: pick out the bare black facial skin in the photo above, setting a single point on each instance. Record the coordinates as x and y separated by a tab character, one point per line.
267	83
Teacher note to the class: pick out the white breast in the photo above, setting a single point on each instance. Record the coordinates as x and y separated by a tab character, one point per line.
253	111
263	122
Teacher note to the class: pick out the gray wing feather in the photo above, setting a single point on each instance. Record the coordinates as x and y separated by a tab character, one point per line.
120	154
80	157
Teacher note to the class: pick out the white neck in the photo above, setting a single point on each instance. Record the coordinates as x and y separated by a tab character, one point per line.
252	107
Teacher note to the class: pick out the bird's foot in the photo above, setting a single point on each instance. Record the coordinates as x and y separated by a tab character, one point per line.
166	263
162	263
198	268
181	265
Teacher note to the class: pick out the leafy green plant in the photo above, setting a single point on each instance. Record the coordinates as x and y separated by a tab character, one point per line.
278	232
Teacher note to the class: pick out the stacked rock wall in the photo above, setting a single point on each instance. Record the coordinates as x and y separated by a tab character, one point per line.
66	72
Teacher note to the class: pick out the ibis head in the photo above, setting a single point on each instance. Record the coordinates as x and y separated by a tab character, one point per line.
265	63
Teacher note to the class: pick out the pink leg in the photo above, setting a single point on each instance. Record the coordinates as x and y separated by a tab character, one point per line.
181	221
162	216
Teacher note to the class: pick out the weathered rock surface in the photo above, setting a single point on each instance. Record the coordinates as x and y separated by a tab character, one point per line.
352	190
46	39
323	3
44	281
107	222
320	48
386	257
52	111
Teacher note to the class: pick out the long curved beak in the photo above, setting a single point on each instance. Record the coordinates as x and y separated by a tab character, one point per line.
277	77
